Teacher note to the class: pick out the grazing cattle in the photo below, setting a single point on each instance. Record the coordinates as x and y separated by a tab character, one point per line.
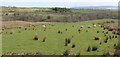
89	26
94	25
99	25
43	26
81	26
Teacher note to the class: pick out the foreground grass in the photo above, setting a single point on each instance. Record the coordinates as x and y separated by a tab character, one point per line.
54	44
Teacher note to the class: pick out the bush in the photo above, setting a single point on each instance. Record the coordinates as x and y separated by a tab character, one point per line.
78	54
89	48
68	40
94	48
67	52
73	45
11	32
44	39
36	37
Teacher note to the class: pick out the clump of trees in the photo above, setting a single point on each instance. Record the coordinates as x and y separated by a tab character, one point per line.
61	10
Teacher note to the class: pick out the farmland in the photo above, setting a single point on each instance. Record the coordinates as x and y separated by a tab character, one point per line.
21	40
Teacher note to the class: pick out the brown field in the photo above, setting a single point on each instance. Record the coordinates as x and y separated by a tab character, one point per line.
111	26
17	24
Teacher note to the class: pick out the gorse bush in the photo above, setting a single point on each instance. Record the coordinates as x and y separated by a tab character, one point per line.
94	48
36	37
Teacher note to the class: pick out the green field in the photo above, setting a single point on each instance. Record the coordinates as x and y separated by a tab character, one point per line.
55	42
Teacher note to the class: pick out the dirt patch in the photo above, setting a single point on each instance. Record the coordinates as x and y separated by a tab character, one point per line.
113	26
17	24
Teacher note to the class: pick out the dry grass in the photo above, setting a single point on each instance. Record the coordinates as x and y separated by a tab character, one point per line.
111	26
19	24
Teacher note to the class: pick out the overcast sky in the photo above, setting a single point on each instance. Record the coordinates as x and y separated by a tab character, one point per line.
58	3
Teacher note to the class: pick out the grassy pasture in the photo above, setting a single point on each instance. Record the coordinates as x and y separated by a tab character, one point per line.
55	43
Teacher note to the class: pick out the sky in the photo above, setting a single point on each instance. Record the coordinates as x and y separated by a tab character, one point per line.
58	3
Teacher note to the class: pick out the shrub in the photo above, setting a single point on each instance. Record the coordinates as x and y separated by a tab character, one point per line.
44	39
115	45
36	37
38	53
66	29
115	36
72	36
33	28
100	43
14	53
117	53
86	30
89	48
110	29
94	48
11	32
106	54
72	25
78	54
66	43
106	32
106	38
19	31
67	52
97	31
25	28
104	35
104	28
96	38
118	46
3	29
102	31
73	45
105	41
59	31
110	37
79	30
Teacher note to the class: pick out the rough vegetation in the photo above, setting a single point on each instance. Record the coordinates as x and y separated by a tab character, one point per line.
55	14
51	42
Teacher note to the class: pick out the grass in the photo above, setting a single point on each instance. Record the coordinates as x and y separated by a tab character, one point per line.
55	42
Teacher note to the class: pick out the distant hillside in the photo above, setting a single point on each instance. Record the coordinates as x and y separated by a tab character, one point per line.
37	14
96	7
